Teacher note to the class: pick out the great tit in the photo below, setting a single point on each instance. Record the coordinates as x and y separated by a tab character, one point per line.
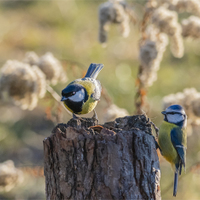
81	95
172	139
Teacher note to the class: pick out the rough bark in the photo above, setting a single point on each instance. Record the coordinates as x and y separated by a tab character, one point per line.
117	160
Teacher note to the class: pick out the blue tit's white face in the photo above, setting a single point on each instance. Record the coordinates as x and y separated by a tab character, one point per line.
77	96
175	114
175	118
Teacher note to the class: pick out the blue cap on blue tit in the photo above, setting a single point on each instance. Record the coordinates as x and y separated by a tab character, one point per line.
82	95
172	139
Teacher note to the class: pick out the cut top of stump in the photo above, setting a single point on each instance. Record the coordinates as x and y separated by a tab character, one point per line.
117	160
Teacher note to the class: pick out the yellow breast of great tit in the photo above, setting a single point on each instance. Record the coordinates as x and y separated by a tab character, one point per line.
165	143
90	86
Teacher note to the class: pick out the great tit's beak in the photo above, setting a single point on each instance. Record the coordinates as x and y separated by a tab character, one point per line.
63	99
163	112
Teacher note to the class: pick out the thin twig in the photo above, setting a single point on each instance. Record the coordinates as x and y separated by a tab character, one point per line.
57	97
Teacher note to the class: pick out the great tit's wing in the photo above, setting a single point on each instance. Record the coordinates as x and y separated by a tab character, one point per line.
97	92
178	141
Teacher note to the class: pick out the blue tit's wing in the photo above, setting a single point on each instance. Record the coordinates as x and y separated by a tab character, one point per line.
178	141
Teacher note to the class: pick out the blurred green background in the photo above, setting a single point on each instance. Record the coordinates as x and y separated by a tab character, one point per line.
69	29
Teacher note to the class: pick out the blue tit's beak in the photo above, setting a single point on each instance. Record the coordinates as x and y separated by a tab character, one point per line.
63	99
163	112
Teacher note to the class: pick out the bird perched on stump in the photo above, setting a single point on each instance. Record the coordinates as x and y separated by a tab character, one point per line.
82	95
172	139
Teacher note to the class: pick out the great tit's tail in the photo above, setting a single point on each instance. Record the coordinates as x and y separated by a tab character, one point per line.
175	183
94	70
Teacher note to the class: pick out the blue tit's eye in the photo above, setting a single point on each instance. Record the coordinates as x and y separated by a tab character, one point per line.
172	113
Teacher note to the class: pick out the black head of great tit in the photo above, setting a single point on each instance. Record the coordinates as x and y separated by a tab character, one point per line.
172	139
82	95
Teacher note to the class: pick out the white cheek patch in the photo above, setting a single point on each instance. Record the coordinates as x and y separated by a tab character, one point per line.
79	96
175	118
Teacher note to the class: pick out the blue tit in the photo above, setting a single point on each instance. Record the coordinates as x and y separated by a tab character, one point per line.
82	95
172	139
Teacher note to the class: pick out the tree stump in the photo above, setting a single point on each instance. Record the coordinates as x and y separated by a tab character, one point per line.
117	160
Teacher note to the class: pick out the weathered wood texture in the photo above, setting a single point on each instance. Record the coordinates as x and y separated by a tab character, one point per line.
117	160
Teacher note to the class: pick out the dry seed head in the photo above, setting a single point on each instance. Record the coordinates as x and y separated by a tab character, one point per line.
31	58
151	53
165	20
9	176
191	27
176	44
52	68
190	6
113	12
148	53
41	81
20	82
196	106
113	112
125	28
23	83
150	6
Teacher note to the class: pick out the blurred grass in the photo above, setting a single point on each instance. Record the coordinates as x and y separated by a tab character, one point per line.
69	29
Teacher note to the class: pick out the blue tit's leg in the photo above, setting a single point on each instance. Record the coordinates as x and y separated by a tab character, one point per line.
95	117
175	183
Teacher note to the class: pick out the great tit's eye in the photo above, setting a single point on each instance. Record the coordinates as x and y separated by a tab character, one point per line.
71	94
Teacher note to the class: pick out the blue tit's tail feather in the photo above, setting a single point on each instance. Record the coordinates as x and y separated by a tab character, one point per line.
93	70
175	183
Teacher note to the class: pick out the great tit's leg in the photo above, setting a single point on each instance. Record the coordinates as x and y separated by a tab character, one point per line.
75	117
95	117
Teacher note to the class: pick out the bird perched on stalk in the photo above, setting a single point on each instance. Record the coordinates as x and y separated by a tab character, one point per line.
172	139
81	95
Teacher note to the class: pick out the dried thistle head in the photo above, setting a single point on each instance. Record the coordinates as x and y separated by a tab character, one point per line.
20	82
24	84
113	112
114	12
190	6
191	27
167	22
52	68
150	6
151	53
176	44
9	176
49	65
41	81
196	106
148	53
31	58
